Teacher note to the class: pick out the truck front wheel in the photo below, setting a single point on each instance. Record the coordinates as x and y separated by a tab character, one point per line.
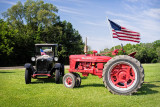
27	76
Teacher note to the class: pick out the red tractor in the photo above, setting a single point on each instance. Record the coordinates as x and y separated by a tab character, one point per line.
122	74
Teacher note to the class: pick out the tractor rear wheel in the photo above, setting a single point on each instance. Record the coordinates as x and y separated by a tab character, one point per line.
57	76
27	76
69	80
123	75
78	79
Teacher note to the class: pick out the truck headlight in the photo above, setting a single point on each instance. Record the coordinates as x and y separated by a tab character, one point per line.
56	58
33	59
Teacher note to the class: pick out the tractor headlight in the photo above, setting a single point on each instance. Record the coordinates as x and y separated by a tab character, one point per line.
56	58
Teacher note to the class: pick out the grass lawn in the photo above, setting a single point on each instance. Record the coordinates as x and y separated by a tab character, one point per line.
15	93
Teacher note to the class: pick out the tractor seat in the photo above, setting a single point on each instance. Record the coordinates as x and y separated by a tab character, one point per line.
132	54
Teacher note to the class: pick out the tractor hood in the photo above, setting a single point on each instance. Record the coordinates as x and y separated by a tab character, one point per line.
89	58
73	59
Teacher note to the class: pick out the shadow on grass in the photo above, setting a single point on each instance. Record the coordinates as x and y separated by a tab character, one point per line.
6	72
146	89
83	77
50	80
92	85
154	81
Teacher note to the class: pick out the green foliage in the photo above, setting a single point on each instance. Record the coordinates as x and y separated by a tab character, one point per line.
156	44
6	38
90	52
31	23
91	93
145	52
158	53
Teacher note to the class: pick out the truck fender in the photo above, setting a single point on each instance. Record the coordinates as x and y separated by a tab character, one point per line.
29	67
60	67
57	66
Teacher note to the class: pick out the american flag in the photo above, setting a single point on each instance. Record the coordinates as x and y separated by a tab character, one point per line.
42	52
124	34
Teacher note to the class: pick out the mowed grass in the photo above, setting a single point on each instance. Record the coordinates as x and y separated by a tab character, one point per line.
45	93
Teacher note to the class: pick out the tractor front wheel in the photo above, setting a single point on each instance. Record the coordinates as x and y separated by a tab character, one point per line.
69	80
123	75
78	79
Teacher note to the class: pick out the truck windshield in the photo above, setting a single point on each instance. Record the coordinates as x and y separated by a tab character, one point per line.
46	50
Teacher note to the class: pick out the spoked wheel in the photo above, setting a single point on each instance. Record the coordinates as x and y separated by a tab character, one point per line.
57	76
27	76
78	79
69	80
123	75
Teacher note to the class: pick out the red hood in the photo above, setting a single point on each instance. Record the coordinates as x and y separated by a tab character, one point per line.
89	58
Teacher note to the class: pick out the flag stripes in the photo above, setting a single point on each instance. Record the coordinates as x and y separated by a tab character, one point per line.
124	34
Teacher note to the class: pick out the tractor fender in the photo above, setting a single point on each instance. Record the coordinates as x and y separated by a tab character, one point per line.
29	67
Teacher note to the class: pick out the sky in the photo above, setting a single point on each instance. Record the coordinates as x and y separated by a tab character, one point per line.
89	17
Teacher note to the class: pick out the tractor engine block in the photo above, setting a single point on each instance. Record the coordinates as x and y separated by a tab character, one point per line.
88	64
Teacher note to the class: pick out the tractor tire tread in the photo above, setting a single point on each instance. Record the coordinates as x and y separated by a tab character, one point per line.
135	61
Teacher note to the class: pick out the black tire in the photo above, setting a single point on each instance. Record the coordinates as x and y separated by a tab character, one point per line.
57	76
62	70
27	76
130	86
78	79
69	80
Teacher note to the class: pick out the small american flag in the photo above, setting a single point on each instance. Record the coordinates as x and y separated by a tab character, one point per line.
42	52
124	34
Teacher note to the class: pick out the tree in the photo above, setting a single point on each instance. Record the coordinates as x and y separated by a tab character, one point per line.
6	42
15	16
158	54
156	44
145	52
37	22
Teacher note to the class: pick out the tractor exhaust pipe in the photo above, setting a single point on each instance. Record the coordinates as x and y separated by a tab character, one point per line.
85	47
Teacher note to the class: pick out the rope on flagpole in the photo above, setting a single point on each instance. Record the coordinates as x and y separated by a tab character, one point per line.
109	25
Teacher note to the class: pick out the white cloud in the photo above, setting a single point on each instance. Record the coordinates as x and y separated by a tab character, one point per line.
7	2
154	13
94	23
75	2
119	15
78	1
69	10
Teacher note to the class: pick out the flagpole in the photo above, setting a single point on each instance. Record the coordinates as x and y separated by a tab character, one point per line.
109	25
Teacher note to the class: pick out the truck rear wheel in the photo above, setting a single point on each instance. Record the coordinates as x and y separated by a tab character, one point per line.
123	75
62	70
27	76
69	80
